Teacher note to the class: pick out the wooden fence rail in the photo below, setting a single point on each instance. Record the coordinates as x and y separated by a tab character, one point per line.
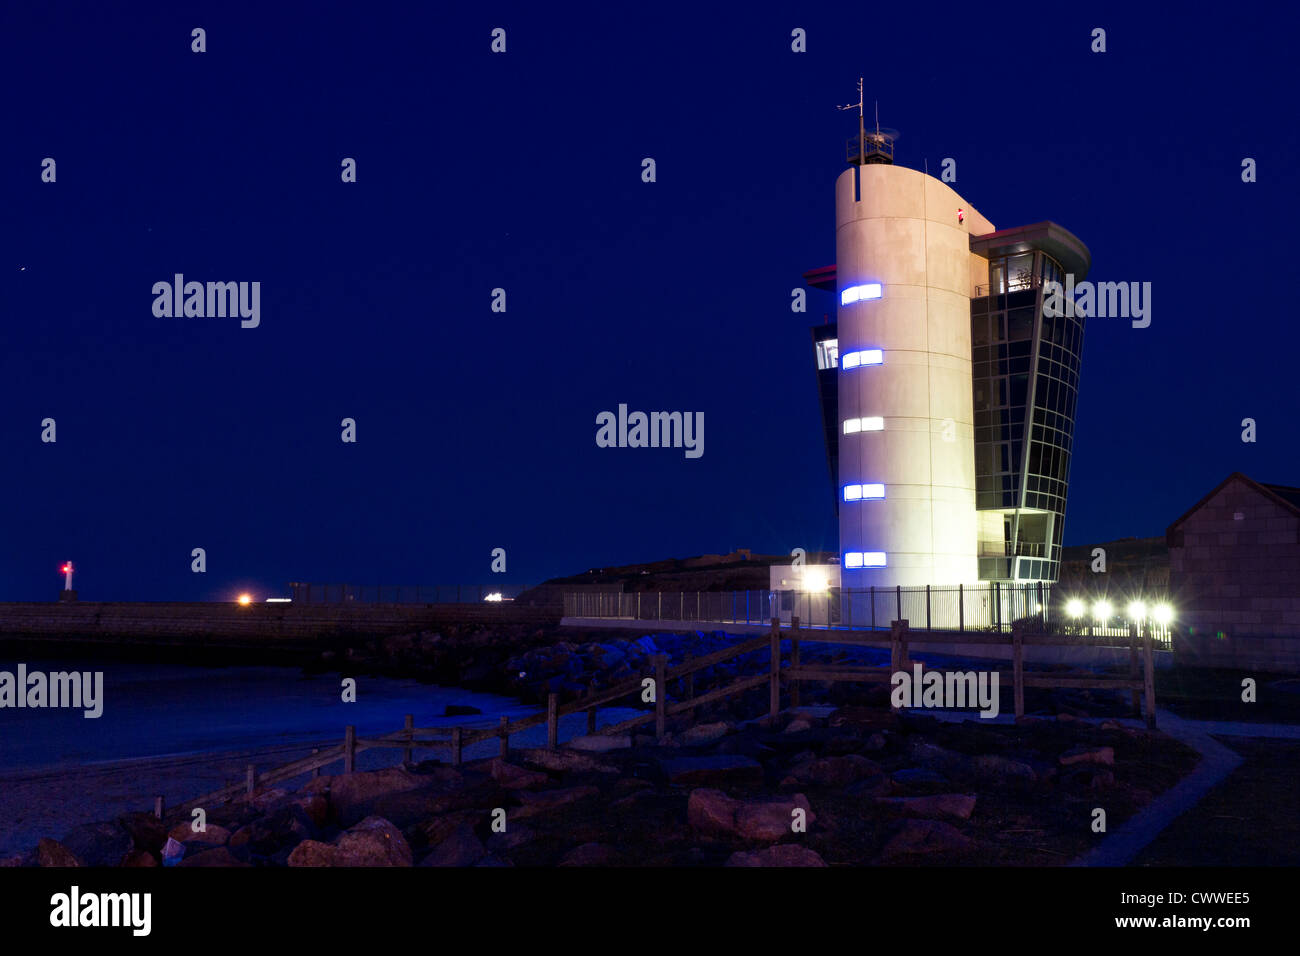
456	739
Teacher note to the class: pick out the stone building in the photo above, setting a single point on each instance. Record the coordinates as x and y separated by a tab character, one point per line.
1234	575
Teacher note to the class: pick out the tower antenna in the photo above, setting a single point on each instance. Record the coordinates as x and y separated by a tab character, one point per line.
881	142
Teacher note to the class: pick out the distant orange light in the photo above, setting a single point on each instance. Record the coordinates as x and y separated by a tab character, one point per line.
245	599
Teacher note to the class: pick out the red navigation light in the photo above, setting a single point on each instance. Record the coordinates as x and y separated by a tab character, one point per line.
66	568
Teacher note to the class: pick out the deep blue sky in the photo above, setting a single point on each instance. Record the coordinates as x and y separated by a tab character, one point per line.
477	429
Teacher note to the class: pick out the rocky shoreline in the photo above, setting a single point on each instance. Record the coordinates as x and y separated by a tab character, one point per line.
844	782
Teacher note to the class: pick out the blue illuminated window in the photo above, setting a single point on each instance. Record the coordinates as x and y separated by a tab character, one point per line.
864	559
863	492
862	357
854	425
857	293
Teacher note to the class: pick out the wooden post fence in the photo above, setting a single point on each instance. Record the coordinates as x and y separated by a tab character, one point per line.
552	721
1149	680
661	695
409	726
504	733
455	746
774	681
349	749
1134	696
794	654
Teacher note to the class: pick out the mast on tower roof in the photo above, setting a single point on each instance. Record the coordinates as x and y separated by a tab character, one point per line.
865	148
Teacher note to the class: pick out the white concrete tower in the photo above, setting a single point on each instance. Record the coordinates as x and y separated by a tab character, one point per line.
905	275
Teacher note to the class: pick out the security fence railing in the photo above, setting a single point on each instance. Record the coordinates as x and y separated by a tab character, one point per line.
992	607
401	594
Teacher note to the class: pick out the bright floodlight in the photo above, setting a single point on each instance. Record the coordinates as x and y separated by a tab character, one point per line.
856	293
815	580
1137	611
245	599
494	596
1101	611
1163	614
1074	607
862	357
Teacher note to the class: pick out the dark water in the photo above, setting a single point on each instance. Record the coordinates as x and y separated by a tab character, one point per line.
162	710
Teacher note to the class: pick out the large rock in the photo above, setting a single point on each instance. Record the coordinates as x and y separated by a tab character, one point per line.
217	856
835	771
957	805
783	854
315	807
511	777
264	800
877	786
599	743
926	836
462	847
354	796
1003	771
147	831
409	807
372	842
544	801
1085	754
213	834
713	770
940	759
770	820
438	828
99	844
563	761
53	853
704	733
919	777
714	813
268	834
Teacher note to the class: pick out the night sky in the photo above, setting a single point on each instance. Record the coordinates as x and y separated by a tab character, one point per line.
475	170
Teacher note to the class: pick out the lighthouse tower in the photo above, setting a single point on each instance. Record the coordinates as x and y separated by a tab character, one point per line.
904	278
